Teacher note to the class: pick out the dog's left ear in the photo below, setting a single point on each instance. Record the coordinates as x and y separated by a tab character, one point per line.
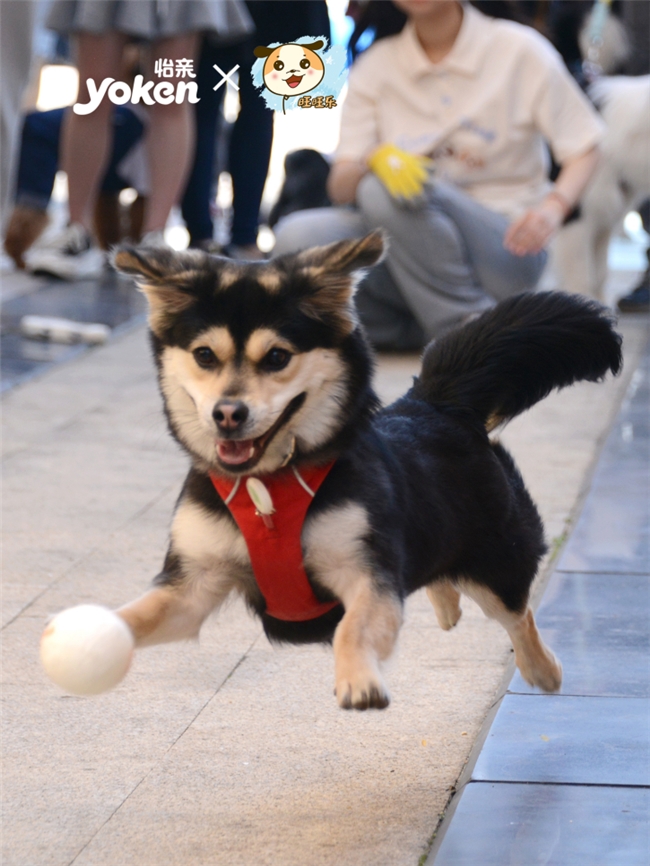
334	272
344	257
165	277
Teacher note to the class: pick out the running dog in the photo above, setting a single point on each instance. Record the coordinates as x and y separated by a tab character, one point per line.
322	509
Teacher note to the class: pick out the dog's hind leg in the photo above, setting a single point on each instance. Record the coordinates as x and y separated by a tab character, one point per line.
363	639
537	664
445	599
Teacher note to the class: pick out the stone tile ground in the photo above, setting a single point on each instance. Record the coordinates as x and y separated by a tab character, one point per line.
227	751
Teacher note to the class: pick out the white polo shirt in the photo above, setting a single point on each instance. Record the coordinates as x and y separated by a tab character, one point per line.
482	113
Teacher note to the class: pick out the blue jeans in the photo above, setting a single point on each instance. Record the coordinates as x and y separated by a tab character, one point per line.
39	153
250	144
249	151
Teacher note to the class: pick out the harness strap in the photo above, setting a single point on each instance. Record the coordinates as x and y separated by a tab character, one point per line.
276	550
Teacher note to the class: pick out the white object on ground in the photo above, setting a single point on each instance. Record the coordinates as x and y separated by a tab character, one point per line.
63	330
87	649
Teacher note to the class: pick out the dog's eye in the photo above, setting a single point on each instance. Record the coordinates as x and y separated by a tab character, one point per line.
305	63
279	65
275	359
205	358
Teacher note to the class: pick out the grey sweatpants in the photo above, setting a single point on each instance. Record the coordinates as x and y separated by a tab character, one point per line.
445	259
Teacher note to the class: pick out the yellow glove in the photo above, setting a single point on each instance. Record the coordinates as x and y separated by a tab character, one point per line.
403	174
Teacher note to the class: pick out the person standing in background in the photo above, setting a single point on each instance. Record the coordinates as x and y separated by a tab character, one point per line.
460	104
252	135
16	29
100	29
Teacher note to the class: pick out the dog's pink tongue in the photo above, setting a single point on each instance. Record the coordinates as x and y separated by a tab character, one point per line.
233	452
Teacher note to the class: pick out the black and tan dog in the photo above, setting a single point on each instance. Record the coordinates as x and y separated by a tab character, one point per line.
266	375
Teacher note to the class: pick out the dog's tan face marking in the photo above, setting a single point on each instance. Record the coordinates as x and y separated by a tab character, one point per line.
228	275
260	343
270	279
220	341
298	400
192	392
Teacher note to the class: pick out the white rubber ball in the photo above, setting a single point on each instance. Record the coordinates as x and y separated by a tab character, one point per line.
86	649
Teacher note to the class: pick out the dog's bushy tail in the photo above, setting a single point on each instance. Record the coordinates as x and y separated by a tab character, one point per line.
512	356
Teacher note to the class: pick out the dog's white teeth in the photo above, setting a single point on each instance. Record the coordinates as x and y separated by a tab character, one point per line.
251	452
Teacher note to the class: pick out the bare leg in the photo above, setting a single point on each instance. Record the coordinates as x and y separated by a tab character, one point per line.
365	636
445	599
87	138
537	664
170	140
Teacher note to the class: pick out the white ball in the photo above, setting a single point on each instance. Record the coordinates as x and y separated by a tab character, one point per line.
86	649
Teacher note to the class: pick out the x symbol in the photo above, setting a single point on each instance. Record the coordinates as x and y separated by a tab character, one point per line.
225	77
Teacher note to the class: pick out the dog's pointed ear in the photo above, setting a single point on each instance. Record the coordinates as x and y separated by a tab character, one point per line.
334	272
344	257
164	276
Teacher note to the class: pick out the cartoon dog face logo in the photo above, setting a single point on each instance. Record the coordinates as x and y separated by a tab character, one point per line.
292	69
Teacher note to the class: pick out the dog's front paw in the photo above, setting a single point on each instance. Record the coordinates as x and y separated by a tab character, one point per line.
362	693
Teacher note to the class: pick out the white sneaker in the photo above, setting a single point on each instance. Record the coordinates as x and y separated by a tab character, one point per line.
154	240
69	255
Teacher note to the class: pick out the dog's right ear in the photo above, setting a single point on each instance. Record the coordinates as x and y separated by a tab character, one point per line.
263	51
164	276
333	272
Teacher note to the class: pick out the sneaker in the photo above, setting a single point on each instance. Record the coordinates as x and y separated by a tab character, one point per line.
247	253
154	240
638	300
70	255
214	248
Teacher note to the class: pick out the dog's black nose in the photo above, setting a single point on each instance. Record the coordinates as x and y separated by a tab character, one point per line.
229	415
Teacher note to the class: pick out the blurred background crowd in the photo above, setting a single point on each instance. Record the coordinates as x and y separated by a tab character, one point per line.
527	124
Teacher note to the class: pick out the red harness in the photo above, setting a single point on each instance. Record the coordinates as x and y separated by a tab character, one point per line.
276	550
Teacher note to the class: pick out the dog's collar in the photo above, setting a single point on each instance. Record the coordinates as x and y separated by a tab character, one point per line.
271	519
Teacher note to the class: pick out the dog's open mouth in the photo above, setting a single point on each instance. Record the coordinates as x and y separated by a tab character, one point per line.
245	453
294	80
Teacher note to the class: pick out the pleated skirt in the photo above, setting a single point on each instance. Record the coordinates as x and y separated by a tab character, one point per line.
149	19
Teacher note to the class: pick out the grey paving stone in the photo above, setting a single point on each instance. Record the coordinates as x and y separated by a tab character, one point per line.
269	771
554	825
613	531
112	301
599	627
568	740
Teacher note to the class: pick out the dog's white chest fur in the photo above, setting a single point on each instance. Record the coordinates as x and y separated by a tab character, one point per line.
213	547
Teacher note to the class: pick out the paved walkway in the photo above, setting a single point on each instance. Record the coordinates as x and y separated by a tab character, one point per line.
565	779
230	751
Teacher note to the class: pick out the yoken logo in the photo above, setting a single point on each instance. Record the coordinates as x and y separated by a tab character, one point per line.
149	92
